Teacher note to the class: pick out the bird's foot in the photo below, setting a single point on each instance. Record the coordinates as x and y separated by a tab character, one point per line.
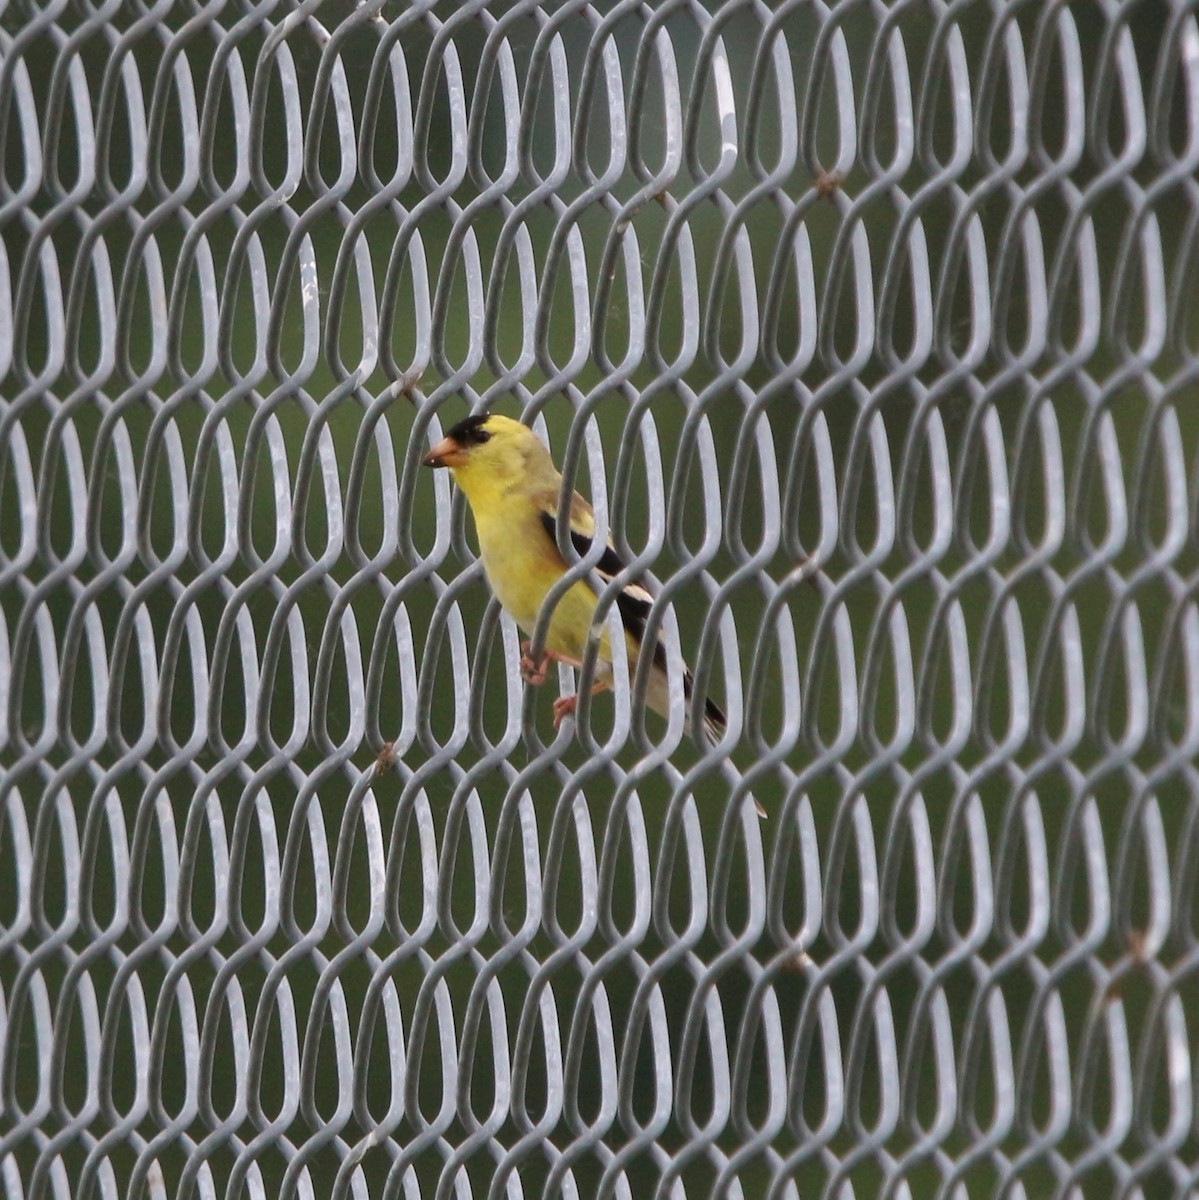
564	707
532	671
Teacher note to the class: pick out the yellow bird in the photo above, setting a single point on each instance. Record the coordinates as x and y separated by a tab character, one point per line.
513	488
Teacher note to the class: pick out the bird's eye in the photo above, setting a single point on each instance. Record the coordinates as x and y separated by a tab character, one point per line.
481	436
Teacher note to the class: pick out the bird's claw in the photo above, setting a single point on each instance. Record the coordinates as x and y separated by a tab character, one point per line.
532	671
564	707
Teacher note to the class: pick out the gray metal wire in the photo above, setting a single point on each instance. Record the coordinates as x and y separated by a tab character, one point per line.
869	330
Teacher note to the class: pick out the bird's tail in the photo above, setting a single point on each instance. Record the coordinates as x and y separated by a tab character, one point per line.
715	724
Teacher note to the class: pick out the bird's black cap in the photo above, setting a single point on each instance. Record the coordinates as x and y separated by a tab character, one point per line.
471	432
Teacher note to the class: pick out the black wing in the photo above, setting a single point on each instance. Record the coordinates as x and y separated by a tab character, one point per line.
633	602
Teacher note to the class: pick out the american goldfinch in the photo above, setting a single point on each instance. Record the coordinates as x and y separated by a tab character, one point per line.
513	487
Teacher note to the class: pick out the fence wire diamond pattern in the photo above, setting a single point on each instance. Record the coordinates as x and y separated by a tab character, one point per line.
869	330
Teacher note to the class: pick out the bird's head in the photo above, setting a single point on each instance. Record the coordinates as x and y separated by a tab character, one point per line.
492	450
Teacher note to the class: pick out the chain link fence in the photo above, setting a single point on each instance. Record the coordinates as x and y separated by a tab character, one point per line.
869	330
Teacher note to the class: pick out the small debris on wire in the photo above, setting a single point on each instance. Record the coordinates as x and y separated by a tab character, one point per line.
828	182
385	759
795	962
1138	953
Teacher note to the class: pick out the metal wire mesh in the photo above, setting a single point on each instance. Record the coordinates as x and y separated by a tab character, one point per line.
868	329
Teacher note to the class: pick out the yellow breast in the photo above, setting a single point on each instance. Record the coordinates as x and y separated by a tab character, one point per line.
521	580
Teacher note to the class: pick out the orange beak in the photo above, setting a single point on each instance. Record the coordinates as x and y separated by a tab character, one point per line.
447	453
